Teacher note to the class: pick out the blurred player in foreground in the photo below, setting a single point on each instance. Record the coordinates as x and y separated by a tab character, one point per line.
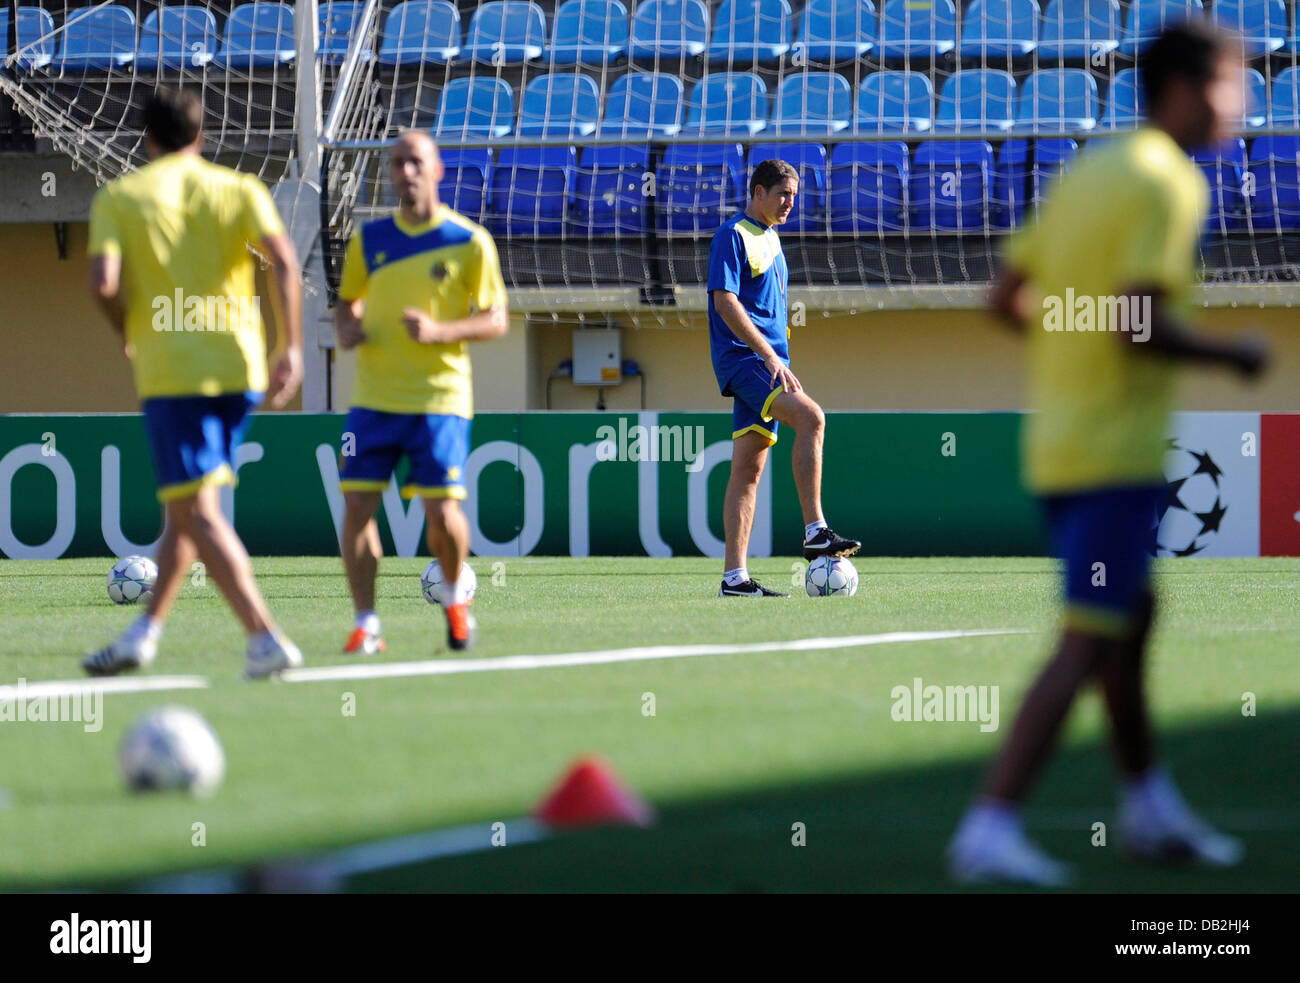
416	287
170	266
1122	225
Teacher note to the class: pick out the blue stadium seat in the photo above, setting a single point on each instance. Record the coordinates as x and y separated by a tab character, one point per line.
182	37
338	20
950	185
699	186
642	104
35	35
809	159
1261	24
1126	104
917	30
868	187
610	191
749	32
531	187
999	29
589	32
1256	114
727	102
420	32
1284	103
1079	30
977	99
1021	182
562	104
474	108
96	40
466	179
258	35
836	30
1224	169
506	32
1059	100
896	101
821	102
1274	204
1147	18
670	29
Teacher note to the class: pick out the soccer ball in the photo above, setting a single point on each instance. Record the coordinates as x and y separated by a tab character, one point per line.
831	576
172	748
431	582
131	578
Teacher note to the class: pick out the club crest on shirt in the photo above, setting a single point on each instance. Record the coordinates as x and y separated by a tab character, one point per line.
440	271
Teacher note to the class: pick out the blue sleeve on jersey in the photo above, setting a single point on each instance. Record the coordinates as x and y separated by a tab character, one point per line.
725	261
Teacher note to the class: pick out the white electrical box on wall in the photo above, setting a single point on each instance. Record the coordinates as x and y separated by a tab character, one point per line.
597	357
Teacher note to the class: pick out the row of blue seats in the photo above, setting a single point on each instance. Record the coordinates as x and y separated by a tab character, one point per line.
506	32
859	187
736	103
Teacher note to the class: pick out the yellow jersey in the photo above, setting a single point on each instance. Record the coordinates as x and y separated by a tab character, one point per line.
182	226
1128	214
447	267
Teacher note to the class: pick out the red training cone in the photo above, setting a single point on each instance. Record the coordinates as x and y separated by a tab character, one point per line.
590	794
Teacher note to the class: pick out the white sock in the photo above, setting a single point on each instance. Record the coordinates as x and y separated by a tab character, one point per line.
453	594
262	641
813	528
1154	792
734	578
368	621
988	820
144	627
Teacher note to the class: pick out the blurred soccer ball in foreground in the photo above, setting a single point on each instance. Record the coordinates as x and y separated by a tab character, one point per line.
171	749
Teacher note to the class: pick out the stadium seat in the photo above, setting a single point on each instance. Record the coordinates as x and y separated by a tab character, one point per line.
951	183
588	32
749	32
474	108
1256	114
258	35
1284	103
467	176
338	20
1147	18
896	101
642	104
610	191
1079	30
1059	100
809	159
1274	189
562	104
835	30
670	29
420	32
1126	105
506	32
95	40
1224	168
531	187
867	187
977	99
1261	24
999	29
821	102
35	36
177	37
1021	181
917	30
699	186
727	102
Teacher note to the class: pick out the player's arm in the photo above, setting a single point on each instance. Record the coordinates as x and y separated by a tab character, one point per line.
285	276
734	315
487	294
1009	297
1166	337
106	288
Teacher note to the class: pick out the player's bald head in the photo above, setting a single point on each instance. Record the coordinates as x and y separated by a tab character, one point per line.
417	143
415	169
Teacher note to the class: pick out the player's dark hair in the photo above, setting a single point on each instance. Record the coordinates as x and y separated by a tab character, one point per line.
1189	49
769	174
173	118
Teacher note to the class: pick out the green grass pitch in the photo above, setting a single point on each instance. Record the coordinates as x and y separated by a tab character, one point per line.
741	746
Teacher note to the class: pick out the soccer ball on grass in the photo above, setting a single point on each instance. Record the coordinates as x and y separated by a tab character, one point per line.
131	578
431	582
831	576
172	749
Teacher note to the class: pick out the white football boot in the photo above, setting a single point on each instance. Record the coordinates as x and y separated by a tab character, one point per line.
980	853
1165	830
130	651
269	660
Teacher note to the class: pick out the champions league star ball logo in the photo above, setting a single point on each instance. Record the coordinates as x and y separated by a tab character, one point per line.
1194	508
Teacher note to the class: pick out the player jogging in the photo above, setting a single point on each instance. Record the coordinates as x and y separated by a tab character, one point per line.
749	340
171	267
416	287
1122	226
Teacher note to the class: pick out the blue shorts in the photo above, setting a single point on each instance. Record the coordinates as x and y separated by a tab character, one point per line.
1106	539
437	447
752	389
193	439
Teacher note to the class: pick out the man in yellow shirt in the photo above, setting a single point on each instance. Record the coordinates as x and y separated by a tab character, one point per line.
417	286
170	266
1111	262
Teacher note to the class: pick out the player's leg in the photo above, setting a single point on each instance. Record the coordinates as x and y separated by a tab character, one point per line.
748	458
802	414
1121	678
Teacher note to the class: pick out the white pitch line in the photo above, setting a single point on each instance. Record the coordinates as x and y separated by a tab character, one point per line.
446	667
74	687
